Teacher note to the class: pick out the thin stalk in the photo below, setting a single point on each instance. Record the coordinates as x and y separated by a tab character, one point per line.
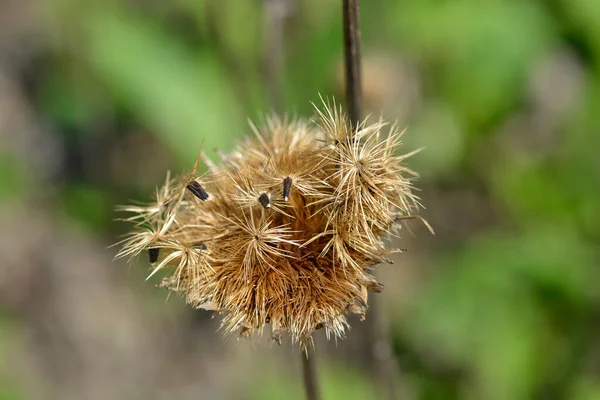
309	371
352	60
378	349
276	12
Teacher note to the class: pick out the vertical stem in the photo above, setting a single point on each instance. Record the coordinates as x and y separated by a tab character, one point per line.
352	60
378	350
276	12
309	371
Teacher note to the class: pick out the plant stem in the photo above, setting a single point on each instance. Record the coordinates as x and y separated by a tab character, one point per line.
352	60
309	371
380	352
276	13
378	349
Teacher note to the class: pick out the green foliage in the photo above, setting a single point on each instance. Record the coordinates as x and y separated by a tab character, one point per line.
491	307
88	204
8	389
481	49
13	178
511	309
336	382
183	96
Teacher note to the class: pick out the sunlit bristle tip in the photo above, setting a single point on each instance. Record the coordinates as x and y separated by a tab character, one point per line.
298	217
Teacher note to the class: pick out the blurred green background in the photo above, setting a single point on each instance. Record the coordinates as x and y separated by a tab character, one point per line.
98	99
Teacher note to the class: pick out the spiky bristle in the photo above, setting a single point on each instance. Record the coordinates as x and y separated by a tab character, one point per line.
287	226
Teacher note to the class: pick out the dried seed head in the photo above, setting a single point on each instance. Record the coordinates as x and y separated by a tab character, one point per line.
297	218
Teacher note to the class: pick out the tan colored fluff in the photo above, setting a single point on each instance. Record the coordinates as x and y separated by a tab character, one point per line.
285	229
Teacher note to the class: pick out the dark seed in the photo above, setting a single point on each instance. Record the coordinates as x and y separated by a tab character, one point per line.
153	254
200	246
287	187
264	200
197	190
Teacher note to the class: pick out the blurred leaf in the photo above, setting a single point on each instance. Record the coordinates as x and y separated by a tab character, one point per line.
239	22
88	204
197	8
13	178
438	130
586	16
579	173
563	186
586	388
481	49
482	310
65	101
312	66
8	389
184	96
532	192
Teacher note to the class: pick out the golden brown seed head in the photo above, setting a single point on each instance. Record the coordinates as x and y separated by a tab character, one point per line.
285	229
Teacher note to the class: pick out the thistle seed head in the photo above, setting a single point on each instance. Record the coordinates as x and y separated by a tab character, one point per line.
285	230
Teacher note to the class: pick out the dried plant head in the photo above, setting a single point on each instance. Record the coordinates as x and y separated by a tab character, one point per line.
286	229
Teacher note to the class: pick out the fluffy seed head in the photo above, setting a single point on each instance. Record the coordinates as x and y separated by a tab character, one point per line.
285	230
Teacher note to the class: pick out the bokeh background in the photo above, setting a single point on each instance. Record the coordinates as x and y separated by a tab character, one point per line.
99	98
